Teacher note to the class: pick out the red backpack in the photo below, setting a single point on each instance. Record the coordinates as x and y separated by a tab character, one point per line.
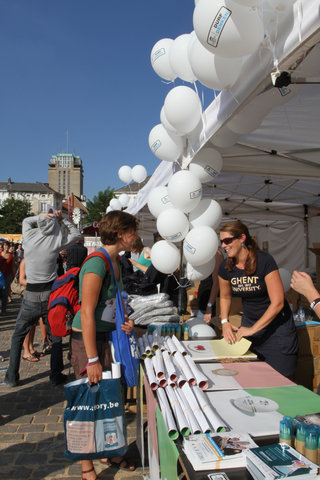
64	298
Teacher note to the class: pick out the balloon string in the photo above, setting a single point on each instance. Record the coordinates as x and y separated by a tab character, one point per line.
185	285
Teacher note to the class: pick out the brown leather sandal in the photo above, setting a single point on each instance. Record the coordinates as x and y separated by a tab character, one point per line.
88	471
124	464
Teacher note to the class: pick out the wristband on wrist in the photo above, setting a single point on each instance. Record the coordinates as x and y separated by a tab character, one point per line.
314	303
93	359
224	320
209	304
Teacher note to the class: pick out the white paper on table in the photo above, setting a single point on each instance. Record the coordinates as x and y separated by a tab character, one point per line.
171	346
192	421
216	379
169	366
216	421
167	377
181	380
195	407
255	423
147	346
185	368
180	417
201	379
153	382
158	364
142	348
179	345
167	413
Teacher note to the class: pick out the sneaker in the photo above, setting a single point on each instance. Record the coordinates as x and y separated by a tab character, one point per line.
59	379
46	348
9	383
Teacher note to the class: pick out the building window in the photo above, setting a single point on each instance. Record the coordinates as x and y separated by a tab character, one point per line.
43	207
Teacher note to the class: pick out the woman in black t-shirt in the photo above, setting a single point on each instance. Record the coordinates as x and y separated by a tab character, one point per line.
267	318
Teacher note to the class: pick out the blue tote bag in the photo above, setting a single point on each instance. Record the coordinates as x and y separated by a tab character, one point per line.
94	420
125	346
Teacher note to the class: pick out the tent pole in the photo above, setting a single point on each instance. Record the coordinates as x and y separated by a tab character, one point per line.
306	234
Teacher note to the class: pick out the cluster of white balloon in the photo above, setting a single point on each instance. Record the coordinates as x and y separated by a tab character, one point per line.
225	32
182	215
138	174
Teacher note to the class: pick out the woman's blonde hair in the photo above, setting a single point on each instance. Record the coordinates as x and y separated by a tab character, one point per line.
114	222
237	229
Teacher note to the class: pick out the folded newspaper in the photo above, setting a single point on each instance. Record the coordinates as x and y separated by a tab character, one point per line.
213	451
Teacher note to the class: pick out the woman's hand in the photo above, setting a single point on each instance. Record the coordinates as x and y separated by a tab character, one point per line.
227	332
244	332
207	317
94	373
302	283
128	325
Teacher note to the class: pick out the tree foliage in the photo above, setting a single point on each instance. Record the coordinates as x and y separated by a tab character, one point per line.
98	205
12	212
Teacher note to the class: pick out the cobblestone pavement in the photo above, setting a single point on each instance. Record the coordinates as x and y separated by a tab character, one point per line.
31	420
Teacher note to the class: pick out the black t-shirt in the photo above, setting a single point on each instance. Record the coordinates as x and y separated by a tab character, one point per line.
251	288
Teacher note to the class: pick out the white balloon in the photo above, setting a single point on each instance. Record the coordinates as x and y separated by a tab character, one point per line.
224	138
165	145
208	212
184	190
200	245
160	59
165	257
172	224
285	278
115	204
213	71
206	164
202	271
139	173
179	60
182	108
124	199
159	200
226	28
109	209
166	124
124	174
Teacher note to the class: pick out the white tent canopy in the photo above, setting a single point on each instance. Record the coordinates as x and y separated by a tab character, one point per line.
270	176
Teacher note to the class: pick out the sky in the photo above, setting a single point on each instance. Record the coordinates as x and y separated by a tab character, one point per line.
83	67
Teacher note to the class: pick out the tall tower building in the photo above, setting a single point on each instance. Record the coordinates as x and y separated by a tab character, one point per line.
66	174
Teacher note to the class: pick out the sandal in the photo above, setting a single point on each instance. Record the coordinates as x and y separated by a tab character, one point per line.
122	465
88	471
31	358
38	354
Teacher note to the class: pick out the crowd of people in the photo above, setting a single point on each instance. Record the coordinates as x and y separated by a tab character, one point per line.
52	245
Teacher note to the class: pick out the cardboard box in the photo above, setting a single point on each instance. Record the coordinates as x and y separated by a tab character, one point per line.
309	340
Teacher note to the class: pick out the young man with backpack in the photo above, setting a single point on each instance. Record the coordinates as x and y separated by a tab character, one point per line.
44	236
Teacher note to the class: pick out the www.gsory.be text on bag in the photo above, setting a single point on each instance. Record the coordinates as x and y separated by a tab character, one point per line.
94	420
125	346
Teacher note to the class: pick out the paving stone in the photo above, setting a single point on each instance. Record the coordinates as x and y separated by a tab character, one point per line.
31	428
31	459
46	419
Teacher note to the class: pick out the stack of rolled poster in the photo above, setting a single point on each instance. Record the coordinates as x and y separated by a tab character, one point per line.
179	385
171	363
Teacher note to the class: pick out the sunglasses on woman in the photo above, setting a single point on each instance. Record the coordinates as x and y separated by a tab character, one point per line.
228	240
